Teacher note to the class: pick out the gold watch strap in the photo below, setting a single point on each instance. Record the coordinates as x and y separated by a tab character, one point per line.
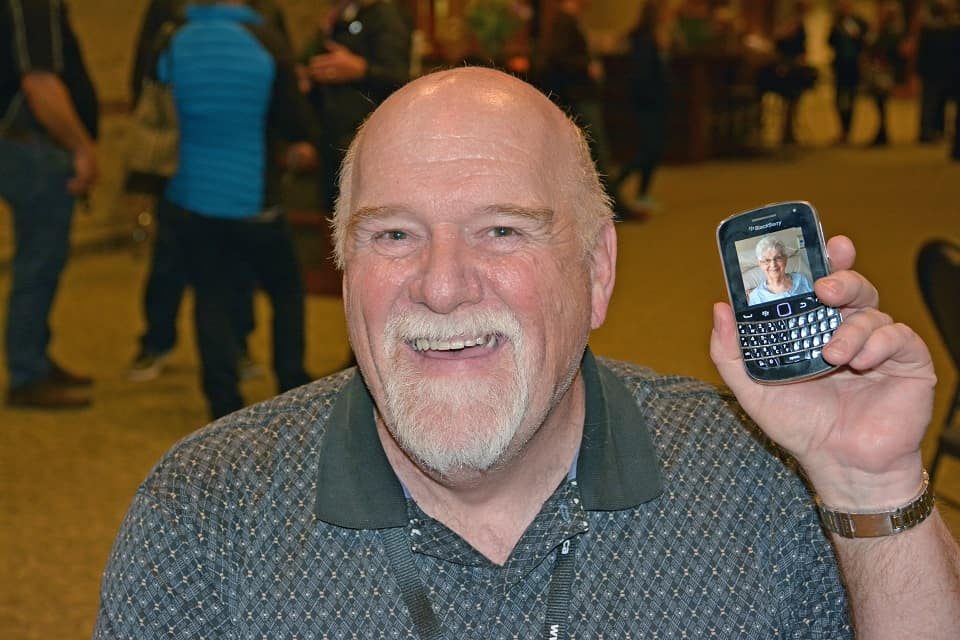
875	524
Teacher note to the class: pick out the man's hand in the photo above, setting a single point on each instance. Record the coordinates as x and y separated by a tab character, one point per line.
856	431
85	171
339	66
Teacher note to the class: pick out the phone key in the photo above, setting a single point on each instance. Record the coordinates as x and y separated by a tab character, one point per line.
826	337
773	362
816	341
802	320
792	322
831	312
815	353
834	322
804	332
821	314
806	343
793	358
824	326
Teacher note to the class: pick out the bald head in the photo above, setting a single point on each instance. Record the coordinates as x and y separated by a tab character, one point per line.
458	116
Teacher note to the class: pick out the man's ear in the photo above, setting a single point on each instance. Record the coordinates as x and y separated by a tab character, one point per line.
603	261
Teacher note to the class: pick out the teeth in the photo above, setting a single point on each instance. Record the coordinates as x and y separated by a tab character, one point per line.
423	344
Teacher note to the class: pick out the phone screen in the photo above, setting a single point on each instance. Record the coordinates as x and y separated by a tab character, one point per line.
771	258
778	253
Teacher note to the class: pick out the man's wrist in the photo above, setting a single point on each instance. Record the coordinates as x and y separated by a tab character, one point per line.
876	523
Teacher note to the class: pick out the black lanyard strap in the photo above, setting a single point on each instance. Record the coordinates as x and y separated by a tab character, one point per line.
558	599
425	620
411	587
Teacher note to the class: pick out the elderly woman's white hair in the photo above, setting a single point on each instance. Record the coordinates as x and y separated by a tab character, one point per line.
769	242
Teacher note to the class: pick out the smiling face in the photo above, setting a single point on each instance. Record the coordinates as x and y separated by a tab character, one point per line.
468	292
774	263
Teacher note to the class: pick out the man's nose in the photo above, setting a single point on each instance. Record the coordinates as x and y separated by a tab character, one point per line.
448	278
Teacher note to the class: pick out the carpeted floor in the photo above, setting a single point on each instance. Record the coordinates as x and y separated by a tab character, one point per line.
67	477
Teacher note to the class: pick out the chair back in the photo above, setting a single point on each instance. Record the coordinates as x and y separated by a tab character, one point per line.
938	273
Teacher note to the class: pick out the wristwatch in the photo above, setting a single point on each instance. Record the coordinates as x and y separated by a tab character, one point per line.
875	524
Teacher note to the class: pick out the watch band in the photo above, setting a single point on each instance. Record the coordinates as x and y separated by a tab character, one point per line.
875	524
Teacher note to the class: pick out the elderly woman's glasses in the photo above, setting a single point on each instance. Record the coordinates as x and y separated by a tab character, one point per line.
766	262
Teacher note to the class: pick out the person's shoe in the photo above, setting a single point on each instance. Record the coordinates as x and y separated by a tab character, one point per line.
147	366
47	393
248	368
68	379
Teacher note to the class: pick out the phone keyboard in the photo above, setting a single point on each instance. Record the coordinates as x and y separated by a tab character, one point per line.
787	332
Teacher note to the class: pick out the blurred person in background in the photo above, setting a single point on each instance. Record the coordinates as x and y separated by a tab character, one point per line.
649	81
790	76
886	63
935	62
48	124
565	69
358	57
848	38
234	83
167	278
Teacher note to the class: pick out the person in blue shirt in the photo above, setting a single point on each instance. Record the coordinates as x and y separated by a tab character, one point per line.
235	92
772	258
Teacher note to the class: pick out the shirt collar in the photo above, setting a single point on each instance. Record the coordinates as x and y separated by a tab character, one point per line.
357	488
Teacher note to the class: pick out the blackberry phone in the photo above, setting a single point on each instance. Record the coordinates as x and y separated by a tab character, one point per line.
771	258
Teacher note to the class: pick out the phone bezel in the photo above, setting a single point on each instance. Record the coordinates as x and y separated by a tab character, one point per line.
773	217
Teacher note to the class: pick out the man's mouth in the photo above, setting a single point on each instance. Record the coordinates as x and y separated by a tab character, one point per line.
487	341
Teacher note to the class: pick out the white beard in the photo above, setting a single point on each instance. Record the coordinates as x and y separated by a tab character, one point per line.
452	423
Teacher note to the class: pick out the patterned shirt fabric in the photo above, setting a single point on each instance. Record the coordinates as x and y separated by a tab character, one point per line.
270	523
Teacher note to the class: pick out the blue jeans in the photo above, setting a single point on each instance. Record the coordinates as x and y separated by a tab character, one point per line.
33	181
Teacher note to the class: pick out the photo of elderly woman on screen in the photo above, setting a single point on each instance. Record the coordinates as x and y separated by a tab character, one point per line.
778	283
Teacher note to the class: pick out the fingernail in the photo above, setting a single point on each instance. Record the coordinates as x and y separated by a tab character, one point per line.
836	345
831	285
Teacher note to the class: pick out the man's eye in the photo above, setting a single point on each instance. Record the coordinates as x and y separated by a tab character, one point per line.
503	232
394	235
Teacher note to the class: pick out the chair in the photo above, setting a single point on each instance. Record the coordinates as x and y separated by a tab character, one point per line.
938	273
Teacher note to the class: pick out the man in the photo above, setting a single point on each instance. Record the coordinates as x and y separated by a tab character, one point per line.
485	476
360	56
48	122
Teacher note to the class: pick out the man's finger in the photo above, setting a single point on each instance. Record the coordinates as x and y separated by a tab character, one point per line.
848	340
894	342
725	349
847	290
841	252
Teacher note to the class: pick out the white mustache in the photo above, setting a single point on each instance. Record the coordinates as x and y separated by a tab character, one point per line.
468	327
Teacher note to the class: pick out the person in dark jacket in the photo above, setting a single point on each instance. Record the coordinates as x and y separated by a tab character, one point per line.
233	81
359	56
848	37
571	76
650	90
934	66
886	63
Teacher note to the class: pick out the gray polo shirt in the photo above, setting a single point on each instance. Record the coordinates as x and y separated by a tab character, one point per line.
270	524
